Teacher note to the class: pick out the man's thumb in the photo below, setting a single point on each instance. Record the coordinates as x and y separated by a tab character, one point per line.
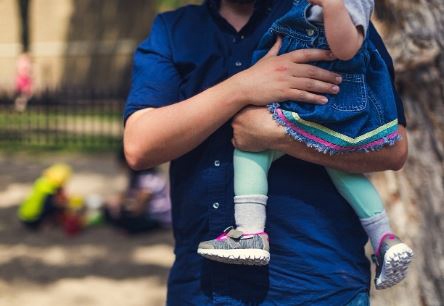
274	51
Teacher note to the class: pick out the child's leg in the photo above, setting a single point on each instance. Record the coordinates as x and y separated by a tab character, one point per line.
247	244
365	200
251	188
392	256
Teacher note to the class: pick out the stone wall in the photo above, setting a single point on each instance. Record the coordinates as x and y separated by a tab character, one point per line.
9	42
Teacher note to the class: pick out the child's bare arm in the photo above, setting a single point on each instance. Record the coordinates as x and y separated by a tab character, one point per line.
344	38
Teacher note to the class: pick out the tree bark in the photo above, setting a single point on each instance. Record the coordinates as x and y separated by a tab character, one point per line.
414	32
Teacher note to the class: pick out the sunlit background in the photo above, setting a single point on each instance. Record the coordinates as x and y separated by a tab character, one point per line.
80	53
65	70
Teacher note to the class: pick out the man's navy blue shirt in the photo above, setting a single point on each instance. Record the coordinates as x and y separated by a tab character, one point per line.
317	242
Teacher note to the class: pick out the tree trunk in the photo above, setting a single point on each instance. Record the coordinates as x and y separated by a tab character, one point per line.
414	33
24	23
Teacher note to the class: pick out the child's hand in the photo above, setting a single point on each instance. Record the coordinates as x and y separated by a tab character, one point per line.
322	3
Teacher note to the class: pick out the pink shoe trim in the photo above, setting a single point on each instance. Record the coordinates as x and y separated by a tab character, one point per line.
254	234
222	236
390	236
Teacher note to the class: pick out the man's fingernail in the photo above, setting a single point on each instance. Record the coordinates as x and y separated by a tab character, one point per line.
335	88
339	79
324	100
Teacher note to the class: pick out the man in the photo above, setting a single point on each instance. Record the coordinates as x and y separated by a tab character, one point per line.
191	77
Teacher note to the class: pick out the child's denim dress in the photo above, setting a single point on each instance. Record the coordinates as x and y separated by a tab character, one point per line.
362	117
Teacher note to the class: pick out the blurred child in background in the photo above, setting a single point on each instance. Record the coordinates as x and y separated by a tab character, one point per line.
47	202
23	82
145	205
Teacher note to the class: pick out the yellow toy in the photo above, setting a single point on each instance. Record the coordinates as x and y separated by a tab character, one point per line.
50	183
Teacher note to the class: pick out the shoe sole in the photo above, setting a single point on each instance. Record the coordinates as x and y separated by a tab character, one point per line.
396	263
250	257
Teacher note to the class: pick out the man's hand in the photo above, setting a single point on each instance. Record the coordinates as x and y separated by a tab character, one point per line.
254	130
288	77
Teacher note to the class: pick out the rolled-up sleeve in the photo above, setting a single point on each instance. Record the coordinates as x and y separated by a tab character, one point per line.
155	80
360	12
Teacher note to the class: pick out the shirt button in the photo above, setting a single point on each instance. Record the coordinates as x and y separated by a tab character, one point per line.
238	64
310	32
234	39
242	37
217	163
216	205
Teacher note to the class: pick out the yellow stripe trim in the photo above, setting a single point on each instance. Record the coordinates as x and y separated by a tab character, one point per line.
341	136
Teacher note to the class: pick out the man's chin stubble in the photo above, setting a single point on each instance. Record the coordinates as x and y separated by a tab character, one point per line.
242	1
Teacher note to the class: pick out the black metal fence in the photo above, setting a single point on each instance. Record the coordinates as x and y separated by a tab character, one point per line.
65	119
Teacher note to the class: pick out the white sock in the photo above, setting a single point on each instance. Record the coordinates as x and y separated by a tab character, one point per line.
376	228
249	213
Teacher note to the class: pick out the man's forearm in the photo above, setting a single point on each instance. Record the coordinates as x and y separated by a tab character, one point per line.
153	136
390	158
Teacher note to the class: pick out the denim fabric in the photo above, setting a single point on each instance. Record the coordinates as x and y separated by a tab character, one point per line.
315	259
362	299
365	103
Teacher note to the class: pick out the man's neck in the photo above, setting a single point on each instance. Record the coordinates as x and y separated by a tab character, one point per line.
236	14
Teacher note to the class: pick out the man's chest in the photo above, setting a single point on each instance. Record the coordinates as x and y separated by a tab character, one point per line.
211	58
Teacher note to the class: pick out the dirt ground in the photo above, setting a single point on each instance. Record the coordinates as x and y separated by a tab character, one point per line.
100	267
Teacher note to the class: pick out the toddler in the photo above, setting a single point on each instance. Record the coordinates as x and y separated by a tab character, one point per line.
362	117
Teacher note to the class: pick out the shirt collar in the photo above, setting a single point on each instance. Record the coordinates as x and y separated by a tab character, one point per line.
215	4
261	9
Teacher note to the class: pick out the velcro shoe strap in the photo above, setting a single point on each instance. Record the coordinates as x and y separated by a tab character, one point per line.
235	234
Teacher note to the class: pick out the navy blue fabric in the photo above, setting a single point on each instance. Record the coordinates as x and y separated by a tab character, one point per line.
366	100
317	242
362	299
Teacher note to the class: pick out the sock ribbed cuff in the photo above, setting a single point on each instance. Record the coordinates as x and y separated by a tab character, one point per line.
374	219
251	199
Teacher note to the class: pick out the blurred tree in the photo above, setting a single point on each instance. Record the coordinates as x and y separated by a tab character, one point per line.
414	31
24	23
107	29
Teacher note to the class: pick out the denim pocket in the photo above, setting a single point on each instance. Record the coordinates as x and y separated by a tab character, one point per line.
352	96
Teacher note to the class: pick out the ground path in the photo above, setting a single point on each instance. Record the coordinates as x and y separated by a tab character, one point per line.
100	267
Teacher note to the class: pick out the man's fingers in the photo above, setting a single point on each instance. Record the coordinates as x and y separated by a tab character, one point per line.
315	73
310	55
275	49
307	97
314	86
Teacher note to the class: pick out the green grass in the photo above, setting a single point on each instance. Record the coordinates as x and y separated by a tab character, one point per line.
32	130
39	118
72	144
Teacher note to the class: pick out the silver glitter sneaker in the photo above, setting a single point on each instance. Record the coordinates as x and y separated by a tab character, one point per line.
235	247
392	261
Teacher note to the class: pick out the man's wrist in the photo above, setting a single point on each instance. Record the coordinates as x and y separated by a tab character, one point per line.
239	91
280	141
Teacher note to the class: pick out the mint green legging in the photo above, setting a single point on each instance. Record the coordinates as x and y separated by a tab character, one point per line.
251	178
